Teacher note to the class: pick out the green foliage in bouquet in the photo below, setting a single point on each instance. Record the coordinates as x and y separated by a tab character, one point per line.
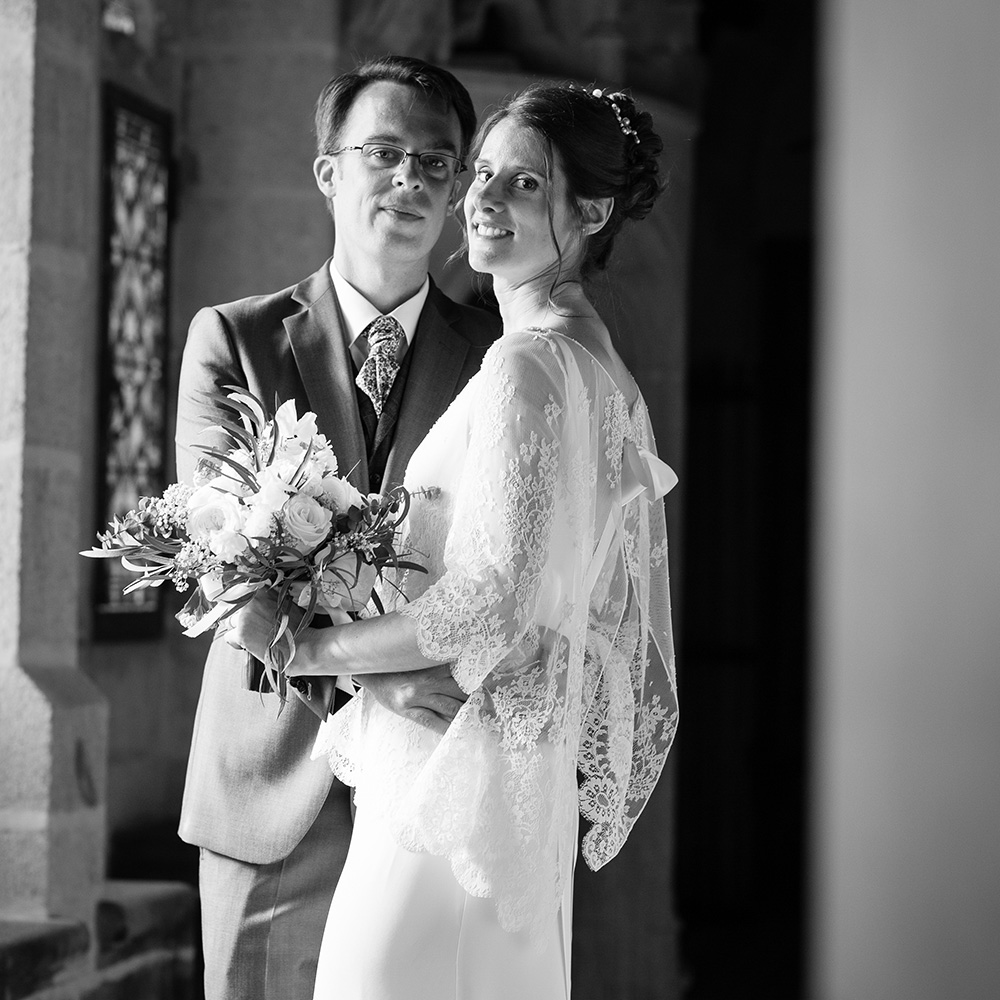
268	513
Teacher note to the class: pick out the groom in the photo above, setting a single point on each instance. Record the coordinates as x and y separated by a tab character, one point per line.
377	352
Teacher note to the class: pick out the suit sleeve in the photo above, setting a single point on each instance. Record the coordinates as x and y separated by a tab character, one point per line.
210	361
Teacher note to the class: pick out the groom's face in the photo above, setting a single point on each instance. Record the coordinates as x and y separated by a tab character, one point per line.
389	215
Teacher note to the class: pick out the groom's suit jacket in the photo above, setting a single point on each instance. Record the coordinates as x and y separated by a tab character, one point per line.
251	791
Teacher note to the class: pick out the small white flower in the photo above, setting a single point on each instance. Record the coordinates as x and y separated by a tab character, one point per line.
291	425
273	491
312	482
259	522
326	463
323	456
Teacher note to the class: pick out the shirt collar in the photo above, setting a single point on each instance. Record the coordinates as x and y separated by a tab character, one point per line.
358	312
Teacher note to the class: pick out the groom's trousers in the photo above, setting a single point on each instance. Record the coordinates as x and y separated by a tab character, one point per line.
262	924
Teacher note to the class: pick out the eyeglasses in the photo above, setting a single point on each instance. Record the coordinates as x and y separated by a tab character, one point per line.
434	166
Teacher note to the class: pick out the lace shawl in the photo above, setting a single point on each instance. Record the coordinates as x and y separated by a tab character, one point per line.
568	663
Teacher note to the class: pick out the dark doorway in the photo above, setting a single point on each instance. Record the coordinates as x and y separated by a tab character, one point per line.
743	653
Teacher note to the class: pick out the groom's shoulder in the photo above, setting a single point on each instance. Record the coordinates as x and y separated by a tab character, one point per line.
271	308
252	310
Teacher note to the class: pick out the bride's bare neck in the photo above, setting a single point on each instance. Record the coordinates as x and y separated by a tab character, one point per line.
567	310
536	303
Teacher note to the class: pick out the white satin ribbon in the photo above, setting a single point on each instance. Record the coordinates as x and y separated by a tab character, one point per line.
645	474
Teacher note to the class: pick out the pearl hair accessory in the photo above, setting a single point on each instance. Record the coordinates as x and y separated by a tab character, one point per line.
623	122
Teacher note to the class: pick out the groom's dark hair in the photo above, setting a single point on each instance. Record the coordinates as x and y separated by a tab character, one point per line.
435	83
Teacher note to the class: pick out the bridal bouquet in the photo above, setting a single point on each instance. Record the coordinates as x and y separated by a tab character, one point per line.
269	513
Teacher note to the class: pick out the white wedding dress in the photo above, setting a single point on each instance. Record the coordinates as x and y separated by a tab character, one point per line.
547	590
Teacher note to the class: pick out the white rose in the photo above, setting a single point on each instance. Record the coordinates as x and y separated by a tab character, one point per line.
209	511
307	520
341	494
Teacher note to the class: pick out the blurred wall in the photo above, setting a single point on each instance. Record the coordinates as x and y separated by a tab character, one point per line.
906	890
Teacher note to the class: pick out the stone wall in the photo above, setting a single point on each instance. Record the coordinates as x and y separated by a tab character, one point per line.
65	933
52	720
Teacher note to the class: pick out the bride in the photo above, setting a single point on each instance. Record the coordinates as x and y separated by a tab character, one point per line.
534	512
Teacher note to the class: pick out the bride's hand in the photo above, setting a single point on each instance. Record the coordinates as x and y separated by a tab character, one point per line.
252	627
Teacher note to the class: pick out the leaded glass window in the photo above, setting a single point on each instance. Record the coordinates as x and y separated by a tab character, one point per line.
134	322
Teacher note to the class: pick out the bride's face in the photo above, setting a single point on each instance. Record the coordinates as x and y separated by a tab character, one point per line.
515	210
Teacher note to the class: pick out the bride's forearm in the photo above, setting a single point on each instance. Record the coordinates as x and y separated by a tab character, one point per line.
386	644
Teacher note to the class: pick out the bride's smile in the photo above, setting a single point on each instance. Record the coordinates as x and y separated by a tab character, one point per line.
520	223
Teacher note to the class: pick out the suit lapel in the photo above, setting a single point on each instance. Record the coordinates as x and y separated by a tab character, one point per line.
317	342
439	355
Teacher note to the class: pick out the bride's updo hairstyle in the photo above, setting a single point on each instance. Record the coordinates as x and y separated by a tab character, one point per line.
606	147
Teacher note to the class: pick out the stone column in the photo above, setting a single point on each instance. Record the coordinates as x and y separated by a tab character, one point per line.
53	725
250	217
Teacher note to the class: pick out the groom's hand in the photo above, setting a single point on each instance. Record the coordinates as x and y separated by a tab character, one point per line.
430	696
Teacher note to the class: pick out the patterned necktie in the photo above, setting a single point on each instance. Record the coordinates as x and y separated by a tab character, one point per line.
380	367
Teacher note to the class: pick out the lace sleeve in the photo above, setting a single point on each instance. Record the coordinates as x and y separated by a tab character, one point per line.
630	723
480	612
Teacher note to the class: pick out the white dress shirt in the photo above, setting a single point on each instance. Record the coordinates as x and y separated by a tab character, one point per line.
357	313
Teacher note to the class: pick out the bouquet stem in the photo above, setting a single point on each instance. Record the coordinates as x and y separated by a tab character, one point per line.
253	673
